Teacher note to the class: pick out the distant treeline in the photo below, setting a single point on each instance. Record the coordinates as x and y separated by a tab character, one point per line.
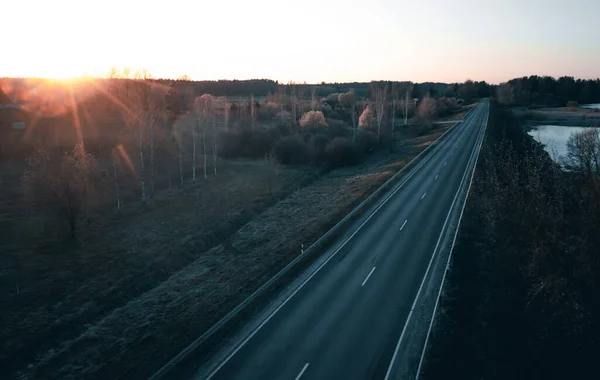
548	91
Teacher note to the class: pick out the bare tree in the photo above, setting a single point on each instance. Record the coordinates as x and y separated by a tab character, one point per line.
394	106
252	111
313	98
405	108
154	114
427	109
583	153
215	135
293	102
137	100
380	97
204	109
348	100
67	185
114	164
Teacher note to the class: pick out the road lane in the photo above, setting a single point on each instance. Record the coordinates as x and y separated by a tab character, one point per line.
345	321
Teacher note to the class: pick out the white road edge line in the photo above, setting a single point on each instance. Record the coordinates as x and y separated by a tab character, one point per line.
245	340
302	372
403	224
369	275
450	255
423	196
412	308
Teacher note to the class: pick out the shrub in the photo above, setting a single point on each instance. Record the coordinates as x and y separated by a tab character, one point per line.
341	152
318	144
366	141
253	143
334	115
338	128
229	143
292	150
572	104
258	142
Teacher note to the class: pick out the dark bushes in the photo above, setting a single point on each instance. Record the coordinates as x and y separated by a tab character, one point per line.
366	141
341	152
292	150
253	143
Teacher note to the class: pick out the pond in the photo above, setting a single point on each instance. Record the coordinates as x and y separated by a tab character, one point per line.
592	106
554	138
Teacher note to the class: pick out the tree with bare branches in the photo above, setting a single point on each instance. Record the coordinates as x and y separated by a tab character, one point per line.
204	111
405	108
393	107
138	117
114	155
67	185
348	101
583	153
380	98
427	109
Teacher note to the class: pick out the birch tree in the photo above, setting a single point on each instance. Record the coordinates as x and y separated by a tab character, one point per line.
114	164
214	136
348	100
394	105
204	111
155	115
136	119
380	97
405	108
252	107
313	98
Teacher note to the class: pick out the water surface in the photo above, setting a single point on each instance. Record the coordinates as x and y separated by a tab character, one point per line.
554	138
592	106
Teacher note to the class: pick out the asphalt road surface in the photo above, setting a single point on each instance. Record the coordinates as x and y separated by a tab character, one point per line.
345	320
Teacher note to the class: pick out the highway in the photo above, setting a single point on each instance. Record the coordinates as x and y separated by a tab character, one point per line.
345	320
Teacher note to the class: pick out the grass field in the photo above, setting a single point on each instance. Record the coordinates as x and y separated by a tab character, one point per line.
139	286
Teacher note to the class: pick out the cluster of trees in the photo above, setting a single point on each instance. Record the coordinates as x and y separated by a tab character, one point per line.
469	90
527	267
548	91
166	133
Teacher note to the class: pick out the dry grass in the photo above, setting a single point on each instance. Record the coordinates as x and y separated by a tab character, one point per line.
49	295
148	288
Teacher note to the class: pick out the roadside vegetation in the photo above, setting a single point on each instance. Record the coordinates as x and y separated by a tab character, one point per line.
521	297
137	212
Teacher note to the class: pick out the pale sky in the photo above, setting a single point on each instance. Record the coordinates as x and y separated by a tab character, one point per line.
310	40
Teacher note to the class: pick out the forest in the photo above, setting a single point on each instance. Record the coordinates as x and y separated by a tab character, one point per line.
521	298
548	91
